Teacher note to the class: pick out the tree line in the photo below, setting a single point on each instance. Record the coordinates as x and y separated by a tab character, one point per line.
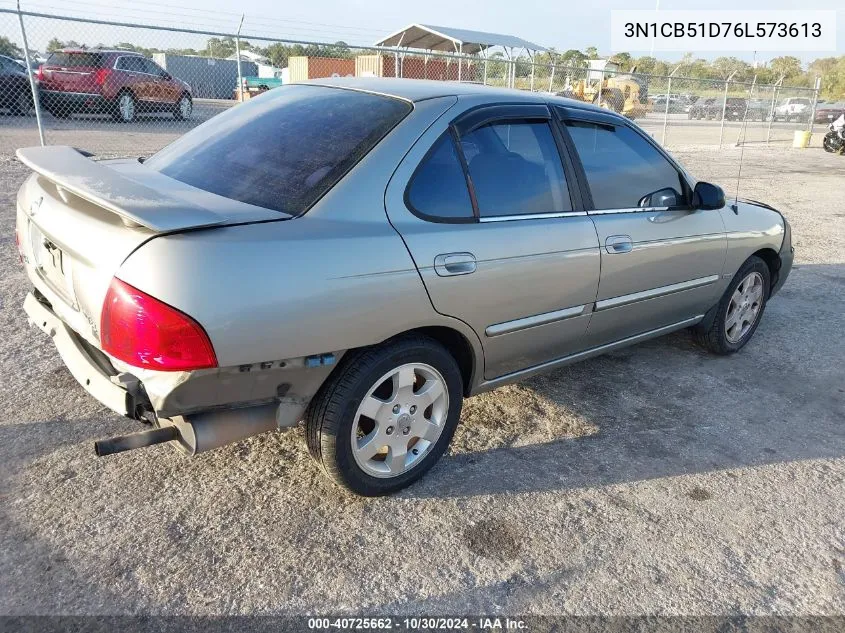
831	69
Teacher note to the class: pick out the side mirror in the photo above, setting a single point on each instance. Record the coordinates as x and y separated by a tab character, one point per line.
707	196
166	75
667	197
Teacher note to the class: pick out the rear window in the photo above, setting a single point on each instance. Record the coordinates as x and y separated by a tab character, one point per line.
70	60
283	150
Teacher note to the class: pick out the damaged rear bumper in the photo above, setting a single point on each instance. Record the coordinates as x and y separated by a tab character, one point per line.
210	407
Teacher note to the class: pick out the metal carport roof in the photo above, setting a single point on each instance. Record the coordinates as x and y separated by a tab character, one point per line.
445	38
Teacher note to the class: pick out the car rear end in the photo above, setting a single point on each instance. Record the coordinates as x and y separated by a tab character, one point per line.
75	81
125	261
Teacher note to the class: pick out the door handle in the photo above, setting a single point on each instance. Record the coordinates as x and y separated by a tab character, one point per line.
617	244
451	264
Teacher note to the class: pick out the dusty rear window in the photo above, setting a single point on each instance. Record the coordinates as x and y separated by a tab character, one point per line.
71	60
283	150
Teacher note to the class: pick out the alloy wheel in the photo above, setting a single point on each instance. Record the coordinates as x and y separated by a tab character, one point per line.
126	105
185	108
400	420
744	307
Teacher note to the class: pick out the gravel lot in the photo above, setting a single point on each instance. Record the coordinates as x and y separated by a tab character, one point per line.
655	480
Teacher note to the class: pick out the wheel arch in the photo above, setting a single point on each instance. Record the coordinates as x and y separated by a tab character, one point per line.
772	260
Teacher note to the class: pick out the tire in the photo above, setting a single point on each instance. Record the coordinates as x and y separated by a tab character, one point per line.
364	376
832	144
125	107
715	333
183	108
611	99
22	103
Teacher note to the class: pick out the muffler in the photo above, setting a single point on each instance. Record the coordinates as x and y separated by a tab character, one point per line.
196	433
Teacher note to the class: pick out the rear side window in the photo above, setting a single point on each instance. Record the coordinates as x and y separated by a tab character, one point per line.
515	169
71	60
283	150
131	63
439	187
621	166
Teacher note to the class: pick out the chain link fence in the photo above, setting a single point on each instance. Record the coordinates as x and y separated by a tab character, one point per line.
117	88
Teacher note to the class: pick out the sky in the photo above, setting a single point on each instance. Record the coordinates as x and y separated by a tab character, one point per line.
562	25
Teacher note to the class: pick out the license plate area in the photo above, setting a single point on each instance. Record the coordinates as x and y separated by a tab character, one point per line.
51	263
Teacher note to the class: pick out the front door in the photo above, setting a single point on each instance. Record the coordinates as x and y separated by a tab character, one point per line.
499	236
660	259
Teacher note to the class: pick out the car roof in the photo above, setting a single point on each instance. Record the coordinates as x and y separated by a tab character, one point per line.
99	51
421	89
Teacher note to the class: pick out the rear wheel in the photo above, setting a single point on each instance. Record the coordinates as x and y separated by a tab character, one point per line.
125	108
739	311
22	103
386	415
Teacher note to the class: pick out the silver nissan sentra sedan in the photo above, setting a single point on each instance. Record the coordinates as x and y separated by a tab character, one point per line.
362	254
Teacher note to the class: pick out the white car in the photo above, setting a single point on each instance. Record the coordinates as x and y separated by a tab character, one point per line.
793	109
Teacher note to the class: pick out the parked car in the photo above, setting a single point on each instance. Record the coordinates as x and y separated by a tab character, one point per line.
116	82
793	109
698	110
828	112
759	110
365	253
733	109
15	90
676	104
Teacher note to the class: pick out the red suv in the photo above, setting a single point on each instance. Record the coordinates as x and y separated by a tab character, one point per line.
120	83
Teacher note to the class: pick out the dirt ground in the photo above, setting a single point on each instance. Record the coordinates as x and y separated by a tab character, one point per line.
654	480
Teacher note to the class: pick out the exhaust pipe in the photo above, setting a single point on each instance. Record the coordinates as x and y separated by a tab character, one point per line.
123	443
196	433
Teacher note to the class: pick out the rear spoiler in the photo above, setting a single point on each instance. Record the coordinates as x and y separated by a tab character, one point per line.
135	203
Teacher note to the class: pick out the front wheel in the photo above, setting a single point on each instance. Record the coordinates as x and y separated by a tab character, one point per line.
184	108
832	143
739	311
386	415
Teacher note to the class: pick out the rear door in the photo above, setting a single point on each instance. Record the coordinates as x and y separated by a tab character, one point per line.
489	211
660	259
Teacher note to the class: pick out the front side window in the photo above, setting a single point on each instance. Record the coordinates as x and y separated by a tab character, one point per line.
515	169
152	68
284	150
624	171
438	188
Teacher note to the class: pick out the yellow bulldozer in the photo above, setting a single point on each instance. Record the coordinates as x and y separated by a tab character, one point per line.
625	94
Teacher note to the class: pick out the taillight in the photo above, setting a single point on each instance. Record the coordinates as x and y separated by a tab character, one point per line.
144	332
102	75
39	75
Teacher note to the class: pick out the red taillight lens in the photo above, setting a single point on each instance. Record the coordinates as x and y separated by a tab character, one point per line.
102	75
142	331
39	75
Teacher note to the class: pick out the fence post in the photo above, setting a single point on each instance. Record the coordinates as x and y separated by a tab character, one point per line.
815	104
775	89
724	108
666	111
36	102
740	139
601	87
238	56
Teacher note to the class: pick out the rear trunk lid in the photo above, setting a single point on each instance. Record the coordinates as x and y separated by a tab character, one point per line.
72	71
78	221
